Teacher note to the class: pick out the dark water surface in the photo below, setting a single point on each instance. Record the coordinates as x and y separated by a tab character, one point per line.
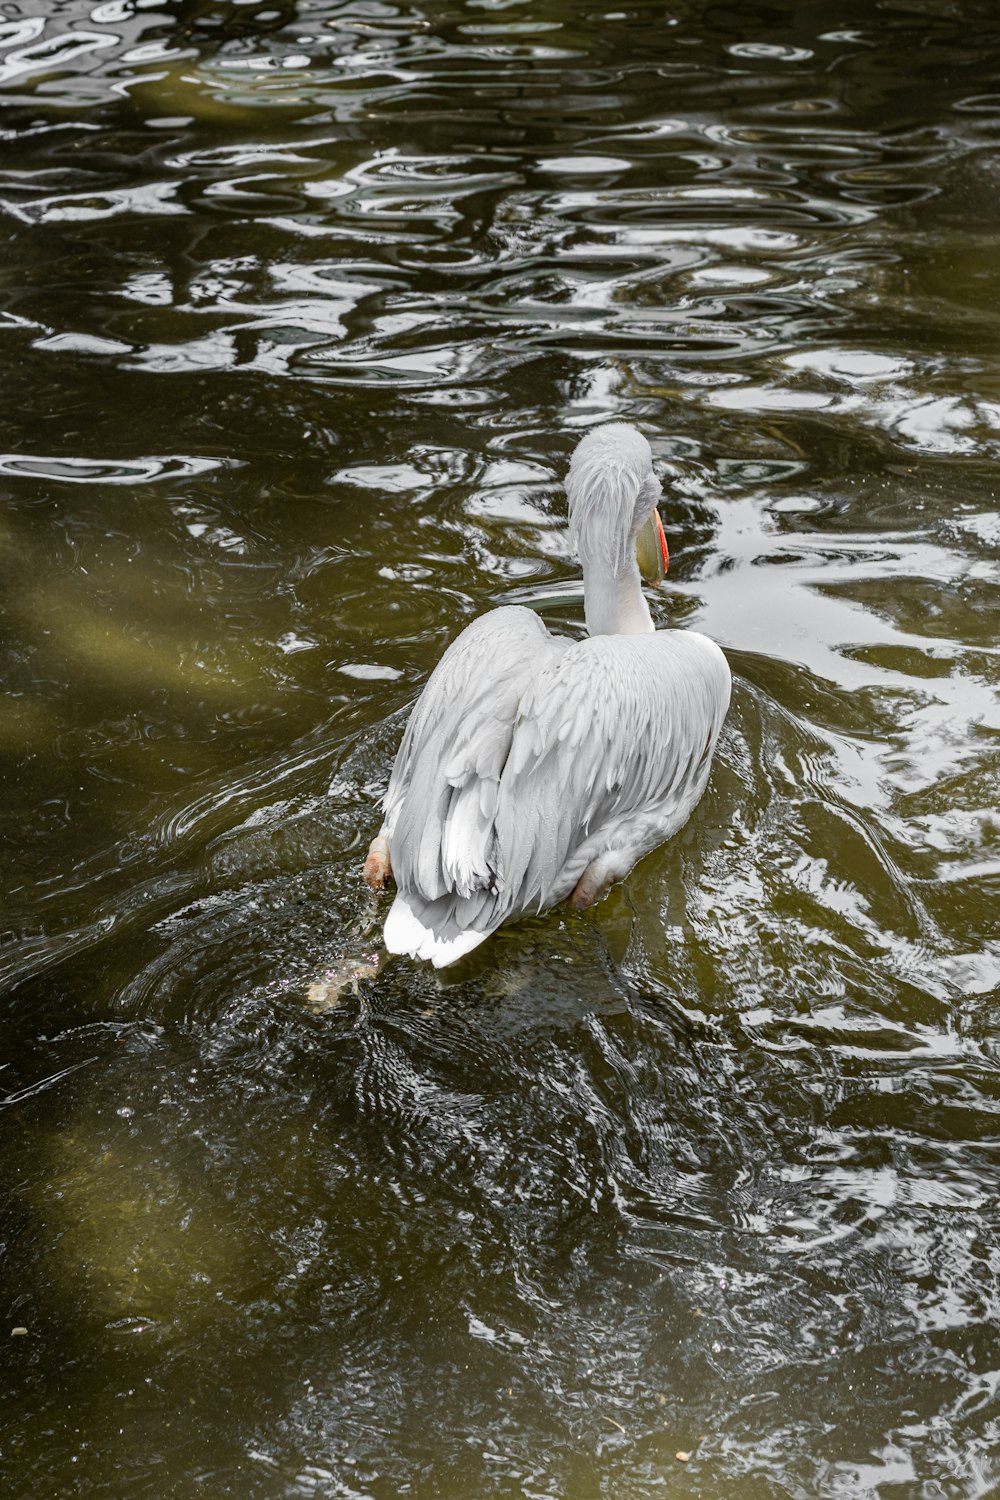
303	309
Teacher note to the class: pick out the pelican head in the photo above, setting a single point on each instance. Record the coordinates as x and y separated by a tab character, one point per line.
613	495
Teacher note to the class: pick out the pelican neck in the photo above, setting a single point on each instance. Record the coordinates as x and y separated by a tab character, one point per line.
613	601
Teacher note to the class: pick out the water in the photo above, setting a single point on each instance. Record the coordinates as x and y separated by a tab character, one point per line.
304	308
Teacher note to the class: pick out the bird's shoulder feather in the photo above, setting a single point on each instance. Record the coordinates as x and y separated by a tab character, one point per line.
615	733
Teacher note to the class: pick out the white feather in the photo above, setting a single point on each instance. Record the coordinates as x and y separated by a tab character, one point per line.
405	933
530	757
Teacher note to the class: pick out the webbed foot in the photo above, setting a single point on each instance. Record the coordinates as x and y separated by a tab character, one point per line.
593	886
377	869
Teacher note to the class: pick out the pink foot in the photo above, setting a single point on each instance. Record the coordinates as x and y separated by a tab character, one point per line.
593	886
377	868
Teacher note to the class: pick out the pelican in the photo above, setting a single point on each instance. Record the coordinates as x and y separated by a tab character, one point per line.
534	768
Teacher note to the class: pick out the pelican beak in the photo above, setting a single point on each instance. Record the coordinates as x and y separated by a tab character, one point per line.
651	550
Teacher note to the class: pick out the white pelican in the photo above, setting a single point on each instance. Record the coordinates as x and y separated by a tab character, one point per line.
536	768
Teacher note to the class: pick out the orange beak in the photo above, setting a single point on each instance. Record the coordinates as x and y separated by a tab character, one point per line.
663	545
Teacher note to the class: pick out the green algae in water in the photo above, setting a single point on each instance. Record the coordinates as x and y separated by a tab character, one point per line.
135	1241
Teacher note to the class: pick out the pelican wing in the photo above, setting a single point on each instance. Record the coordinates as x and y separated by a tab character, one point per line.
531	757
440	808
611	750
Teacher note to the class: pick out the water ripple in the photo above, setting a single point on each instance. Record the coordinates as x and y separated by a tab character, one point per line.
303	310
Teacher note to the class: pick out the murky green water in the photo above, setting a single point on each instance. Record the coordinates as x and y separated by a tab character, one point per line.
303	309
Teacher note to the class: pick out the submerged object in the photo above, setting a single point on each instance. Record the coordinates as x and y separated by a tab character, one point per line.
536	769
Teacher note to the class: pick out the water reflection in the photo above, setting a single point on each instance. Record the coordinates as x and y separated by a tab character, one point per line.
303	308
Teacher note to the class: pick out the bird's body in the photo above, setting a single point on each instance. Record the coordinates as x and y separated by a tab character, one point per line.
535	768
